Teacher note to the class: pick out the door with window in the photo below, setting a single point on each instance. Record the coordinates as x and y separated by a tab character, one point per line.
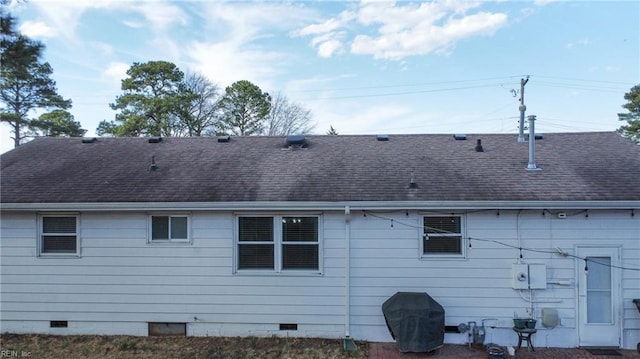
599	297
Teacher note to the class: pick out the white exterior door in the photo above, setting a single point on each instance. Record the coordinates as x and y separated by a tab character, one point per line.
599	297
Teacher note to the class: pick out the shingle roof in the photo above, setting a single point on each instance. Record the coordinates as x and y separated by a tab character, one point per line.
593	166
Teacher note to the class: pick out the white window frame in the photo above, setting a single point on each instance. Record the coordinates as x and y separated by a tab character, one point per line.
462	235
278	245
42	234
169	240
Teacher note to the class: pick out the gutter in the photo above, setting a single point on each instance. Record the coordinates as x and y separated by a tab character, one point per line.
319	205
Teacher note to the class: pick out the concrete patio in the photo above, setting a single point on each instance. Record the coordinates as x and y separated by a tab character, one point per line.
390	351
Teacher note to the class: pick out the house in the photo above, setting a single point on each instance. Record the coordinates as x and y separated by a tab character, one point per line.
308	236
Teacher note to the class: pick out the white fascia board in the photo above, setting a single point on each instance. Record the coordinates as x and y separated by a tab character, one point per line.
292	206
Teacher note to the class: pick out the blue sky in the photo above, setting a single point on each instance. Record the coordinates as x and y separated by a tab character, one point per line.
366	67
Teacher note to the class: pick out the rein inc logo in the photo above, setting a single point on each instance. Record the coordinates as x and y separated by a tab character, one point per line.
8	353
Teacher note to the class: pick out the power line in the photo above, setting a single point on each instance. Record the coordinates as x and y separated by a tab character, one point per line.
581	80
405	85
401	93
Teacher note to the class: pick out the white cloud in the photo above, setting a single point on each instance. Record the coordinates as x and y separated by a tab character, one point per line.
544	2
328	48
37	29
234	50
65	16
326	36
116	71
226	62
160	15
323	28
395	31
581	42
133	24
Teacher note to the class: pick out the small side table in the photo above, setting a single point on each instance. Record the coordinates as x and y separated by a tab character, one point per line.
526	335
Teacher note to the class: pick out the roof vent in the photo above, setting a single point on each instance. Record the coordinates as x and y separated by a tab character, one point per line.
460	136
538	136
224	138
155	139
479	147
382	137
412	182
295	142
89	140
153	166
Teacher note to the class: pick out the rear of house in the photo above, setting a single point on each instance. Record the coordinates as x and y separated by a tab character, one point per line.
257	236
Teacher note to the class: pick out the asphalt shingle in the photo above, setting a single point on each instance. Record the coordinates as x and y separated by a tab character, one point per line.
595	166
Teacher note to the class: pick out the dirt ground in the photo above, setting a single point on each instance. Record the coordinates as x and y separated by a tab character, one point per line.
108	347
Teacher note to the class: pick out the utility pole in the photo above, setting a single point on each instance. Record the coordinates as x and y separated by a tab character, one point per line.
522	109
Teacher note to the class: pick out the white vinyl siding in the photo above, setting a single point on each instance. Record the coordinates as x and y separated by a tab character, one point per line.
384	261
121	283
58	234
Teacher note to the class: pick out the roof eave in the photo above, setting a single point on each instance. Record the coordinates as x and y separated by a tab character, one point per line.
302	206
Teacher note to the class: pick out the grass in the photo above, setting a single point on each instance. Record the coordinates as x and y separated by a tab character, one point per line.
108	347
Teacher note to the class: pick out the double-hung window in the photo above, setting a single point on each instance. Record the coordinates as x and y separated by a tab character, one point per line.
442	236
58	234
169	228
278	243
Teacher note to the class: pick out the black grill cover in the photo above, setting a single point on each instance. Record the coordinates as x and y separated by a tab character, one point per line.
415	320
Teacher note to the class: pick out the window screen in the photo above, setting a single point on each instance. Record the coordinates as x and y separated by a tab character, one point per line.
59	234
159	227
169	228
442	235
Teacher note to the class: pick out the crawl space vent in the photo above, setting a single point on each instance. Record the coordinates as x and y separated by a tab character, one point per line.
288	326
167	329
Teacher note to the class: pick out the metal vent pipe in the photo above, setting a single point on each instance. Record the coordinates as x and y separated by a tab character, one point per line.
532	144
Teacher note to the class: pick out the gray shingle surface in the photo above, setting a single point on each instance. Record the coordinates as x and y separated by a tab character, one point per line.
575	167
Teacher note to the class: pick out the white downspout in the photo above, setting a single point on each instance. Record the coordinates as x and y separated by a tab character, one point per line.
347	274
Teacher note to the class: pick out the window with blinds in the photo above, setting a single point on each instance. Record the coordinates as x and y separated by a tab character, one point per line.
300	243
59	234
255	243
442	235
278	243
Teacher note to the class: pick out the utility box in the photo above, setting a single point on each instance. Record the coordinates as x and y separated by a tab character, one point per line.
520	276
538	276
529	276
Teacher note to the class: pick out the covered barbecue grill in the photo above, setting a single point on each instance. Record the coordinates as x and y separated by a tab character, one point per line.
415	320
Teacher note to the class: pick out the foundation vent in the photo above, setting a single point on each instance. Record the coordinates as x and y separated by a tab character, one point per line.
288	326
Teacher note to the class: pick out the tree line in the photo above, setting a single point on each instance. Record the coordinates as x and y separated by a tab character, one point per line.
157	99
